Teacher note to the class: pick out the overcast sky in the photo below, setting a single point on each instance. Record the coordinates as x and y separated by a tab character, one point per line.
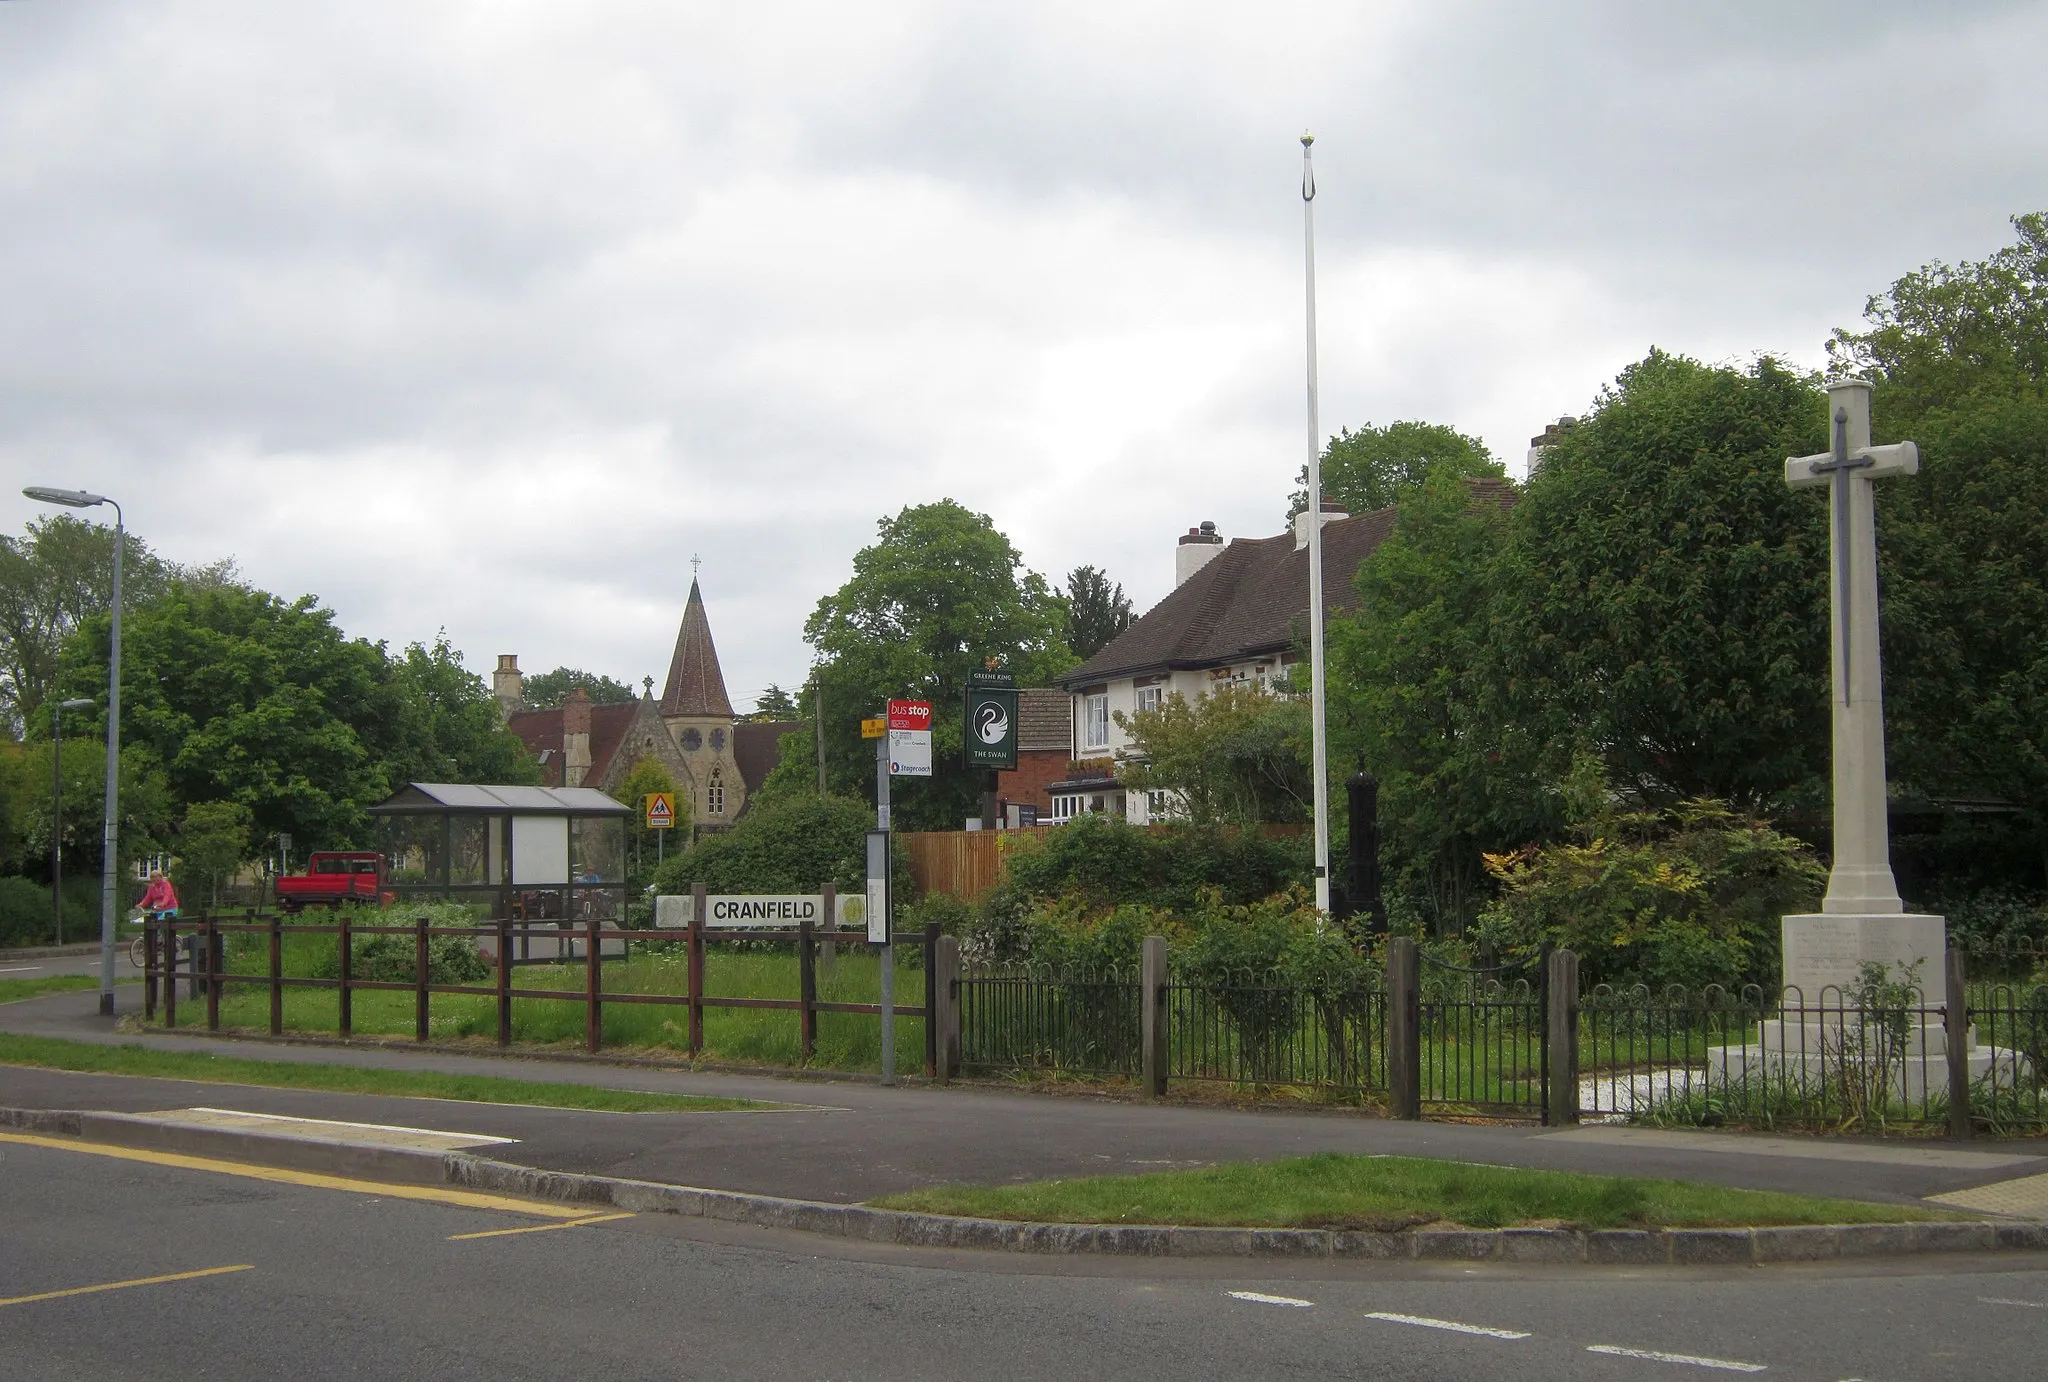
490	315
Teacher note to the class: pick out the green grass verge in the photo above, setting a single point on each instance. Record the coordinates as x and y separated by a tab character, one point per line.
14	990
52	1053
1389	1194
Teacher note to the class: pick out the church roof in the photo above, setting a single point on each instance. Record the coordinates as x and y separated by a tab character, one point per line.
757	748
695	685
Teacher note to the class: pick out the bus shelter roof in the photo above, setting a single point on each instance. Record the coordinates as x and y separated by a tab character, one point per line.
421	798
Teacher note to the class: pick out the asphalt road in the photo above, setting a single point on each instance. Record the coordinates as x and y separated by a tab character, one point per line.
47	966
357	1283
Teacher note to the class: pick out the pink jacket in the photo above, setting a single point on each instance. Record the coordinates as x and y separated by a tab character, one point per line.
160	897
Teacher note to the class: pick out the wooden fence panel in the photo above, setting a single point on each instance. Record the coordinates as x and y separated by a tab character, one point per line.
958	863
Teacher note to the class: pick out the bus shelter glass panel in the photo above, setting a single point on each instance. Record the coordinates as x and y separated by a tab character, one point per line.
470	854
597	854
414	844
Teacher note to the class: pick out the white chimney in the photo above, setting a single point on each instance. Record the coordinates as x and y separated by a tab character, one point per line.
1332	511
1196	549
1552	435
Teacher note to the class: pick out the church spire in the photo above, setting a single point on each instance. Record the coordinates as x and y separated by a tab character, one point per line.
695	686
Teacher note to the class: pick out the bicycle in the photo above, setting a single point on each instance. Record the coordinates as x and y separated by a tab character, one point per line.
138	948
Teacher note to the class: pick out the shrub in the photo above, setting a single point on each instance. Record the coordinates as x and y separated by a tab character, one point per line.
786	845
1692	895
393	959
1104	862
24	913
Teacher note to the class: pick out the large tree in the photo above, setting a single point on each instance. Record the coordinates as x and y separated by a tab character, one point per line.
54	577
1410	701
452	728
1662	594
1374	467
242	696
1960	357
548	690
1097	611
938	595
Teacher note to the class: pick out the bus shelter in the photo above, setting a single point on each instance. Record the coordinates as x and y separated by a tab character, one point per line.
532	854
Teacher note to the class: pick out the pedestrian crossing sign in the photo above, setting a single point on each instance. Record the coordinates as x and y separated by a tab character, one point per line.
661	810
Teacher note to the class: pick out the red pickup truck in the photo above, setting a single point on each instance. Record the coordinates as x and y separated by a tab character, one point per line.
332	879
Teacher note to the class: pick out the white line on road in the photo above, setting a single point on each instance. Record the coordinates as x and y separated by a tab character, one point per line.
1452	1325
1261	1298
1653	1356
21	969
2002	1300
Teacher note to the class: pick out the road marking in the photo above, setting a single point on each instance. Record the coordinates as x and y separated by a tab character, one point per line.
1261	1298
543	1228
466	1199
1456	1328
122	1285
21	969
2002	1300
1653	1356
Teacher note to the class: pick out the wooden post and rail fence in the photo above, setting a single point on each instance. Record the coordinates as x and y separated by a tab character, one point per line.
204	962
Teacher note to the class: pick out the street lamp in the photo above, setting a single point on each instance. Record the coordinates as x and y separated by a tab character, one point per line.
85	499
57	809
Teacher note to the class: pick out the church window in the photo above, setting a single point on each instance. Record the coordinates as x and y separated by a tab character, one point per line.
717	740
714	797
692	740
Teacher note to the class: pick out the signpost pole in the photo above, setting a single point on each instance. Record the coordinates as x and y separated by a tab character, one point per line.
888	951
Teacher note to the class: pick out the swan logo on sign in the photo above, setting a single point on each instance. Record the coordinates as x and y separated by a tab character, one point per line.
991	738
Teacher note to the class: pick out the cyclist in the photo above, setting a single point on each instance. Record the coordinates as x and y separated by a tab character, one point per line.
160	899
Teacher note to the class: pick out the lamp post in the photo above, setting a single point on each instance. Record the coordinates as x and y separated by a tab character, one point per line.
1319	748
84	499
57	709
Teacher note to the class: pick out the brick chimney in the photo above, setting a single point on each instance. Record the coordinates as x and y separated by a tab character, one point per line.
508	686
1196	549
576	738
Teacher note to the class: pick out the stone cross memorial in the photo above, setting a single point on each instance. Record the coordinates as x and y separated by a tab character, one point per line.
1862	919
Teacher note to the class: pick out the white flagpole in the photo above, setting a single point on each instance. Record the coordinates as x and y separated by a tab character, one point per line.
1318	730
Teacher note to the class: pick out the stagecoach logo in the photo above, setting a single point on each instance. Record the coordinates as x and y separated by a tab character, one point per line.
991	723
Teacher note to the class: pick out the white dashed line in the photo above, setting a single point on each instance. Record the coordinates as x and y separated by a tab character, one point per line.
1452	1325
1261	1298
1651	1355
2001	1300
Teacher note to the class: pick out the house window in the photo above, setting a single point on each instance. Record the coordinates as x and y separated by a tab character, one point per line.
1095	722
714	797
1148	698
1065	808
1157	806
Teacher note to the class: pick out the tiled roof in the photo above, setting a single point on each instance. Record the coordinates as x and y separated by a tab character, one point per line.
695	685
1044	719
608	725
1245	602
757	748
541	732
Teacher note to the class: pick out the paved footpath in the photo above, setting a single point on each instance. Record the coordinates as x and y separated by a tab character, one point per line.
849	1141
